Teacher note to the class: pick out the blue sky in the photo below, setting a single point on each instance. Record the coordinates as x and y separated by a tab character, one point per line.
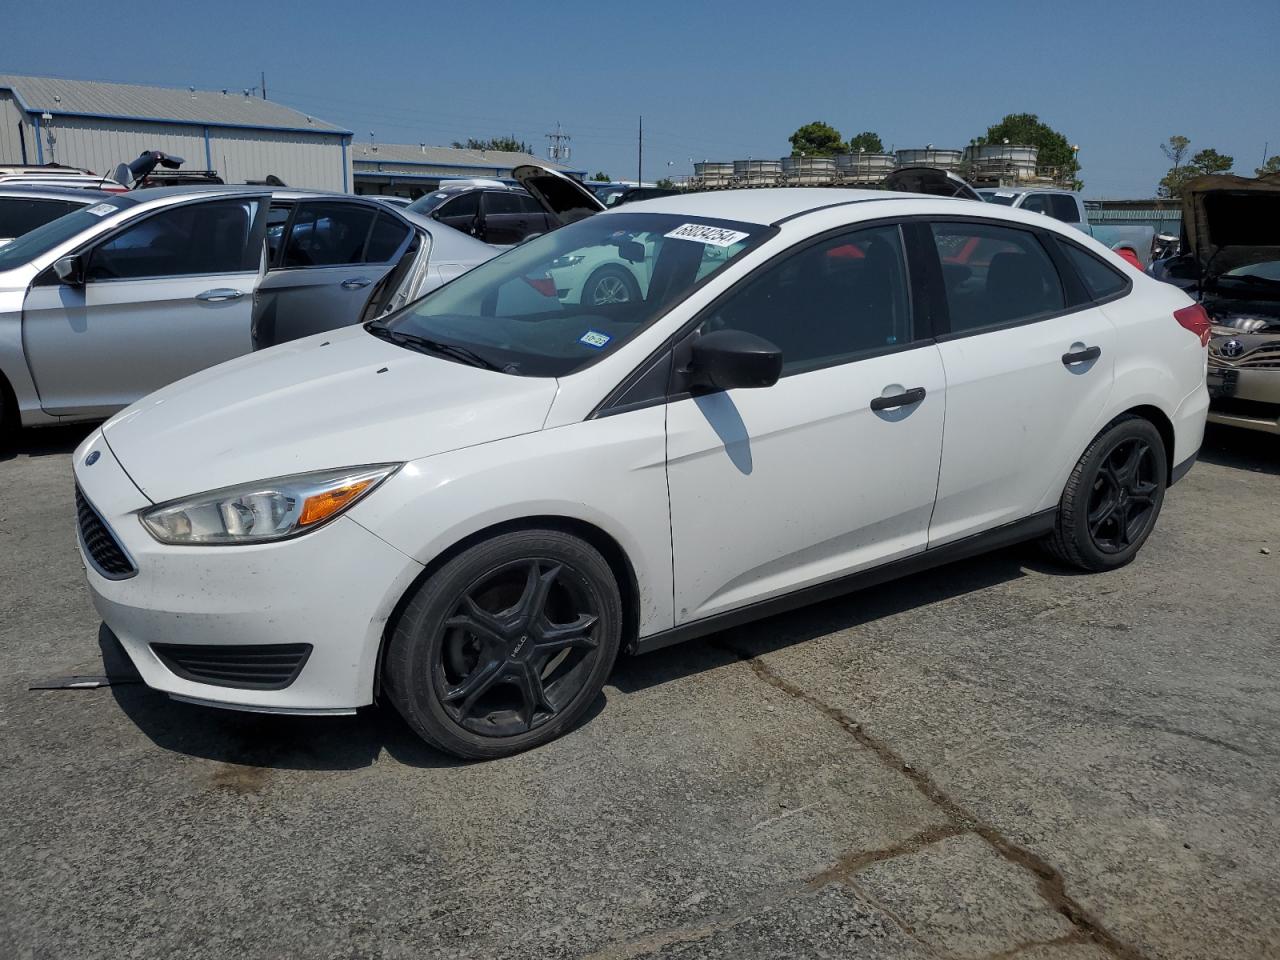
718	81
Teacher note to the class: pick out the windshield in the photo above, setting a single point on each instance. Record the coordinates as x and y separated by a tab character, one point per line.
43	239
562	301
1004	199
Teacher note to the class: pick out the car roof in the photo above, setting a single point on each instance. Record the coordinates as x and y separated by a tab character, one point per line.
43	191
766	206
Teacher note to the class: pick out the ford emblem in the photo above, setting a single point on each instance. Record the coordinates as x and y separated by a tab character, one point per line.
92	458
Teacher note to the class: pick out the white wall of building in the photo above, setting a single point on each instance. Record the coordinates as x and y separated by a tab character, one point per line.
312	160
299	159
11	117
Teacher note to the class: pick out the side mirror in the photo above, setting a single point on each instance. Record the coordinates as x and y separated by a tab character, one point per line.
727	359
70	270
631	251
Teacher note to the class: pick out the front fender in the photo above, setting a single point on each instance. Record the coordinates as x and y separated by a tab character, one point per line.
609	473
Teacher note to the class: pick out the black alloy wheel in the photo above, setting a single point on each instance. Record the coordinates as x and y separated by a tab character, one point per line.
507	645
1122	501
1113	496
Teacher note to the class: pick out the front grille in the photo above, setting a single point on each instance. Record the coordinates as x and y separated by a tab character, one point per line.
263	666
100	543
1267	355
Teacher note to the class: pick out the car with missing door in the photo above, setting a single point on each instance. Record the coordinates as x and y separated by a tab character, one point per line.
469	508
135	290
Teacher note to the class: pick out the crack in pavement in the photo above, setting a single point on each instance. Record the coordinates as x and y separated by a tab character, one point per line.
854	861
1050	883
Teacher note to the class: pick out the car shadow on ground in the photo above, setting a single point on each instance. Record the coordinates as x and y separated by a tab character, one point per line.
842	613
1243	449
43	441
352	742
268	740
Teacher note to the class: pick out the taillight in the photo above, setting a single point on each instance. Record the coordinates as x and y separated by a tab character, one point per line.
1195	319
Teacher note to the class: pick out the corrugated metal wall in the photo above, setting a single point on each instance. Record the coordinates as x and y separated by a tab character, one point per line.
99	145
11	116
299	159
432	170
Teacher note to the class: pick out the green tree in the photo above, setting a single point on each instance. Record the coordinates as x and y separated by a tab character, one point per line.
1207	161
507	144
816	139
867	140
666	183
1027	129
601	177
1271	166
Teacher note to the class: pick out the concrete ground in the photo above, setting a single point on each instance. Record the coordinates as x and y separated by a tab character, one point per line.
994	759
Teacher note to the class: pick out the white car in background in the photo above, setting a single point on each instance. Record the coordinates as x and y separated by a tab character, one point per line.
470	508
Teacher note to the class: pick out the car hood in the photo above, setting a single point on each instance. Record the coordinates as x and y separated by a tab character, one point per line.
332	400
563	197
1230	222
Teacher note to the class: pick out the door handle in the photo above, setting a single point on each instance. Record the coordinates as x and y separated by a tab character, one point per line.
905	399
1081	356
355	283
220	295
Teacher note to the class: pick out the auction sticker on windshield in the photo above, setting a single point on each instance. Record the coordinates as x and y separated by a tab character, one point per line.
101	209
594	338
702	233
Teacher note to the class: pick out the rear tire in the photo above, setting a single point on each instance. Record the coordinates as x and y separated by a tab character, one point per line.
507	645
1112	498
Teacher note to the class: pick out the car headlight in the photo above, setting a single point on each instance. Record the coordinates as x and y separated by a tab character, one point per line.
568	260
263	511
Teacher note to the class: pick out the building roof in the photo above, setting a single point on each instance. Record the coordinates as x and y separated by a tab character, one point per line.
93	98
443	156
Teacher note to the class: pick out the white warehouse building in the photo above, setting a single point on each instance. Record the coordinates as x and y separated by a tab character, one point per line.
96	126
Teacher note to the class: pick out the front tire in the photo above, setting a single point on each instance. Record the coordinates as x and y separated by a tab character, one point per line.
610	284
507	645
1112	498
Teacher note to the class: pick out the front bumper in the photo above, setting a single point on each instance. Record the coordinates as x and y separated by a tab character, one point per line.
1243	396
333	589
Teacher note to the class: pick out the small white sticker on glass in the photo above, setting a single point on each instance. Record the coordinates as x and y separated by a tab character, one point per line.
100	209
703	233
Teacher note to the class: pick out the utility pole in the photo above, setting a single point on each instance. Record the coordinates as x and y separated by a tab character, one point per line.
640	155
559	149
264	85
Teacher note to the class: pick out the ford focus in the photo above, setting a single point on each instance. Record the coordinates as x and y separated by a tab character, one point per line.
471	507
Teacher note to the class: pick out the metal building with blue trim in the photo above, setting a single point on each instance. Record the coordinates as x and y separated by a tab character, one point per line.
409	170
238	134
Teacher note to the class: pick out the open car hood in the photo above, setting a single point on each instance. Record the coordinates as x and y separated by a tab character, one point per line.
1230	222
930	180
562	197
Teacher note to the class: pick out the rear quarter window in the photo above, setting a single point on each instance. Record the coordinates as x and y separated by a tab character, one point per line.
1101	280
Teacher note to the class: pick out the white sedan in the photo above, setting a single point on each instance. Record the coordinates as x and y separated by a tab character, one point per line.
470	508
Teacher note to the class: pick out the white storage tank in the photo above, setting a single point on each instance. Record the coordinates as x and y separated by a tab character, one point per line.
930	157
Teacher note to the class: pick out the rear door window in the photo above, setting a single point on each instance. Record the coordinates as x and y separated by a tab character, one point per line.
994	275
328	234
389	234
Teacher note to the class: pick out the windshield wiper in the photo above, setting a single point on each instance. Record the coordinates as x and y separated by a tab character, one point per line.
412	341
